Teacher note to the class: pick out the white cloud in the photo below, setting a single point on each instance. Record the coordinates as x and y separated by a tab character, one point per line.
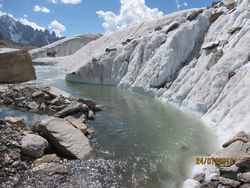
178	3
66	1
185	3
57	27
1	5
37	8
24	21
131	13
25	15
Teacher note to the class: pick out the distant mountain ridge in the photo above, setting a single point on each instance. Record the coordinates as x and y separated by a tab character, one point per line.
11	29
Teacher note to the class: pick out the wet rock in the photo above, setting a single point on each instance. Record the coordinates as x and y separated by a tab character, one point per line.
239	136
215	16
98	107
172	27
244	177
73	107
194	14
243	160
91	115
51	169
85	108
199	177
34	145
91	131
233	30
15	121
77	124
64	137
16	67
89	103
217	54
46	159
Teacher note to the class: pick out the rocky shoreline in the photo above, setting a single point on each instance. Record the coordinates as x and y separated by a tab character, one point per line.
43	148
228	167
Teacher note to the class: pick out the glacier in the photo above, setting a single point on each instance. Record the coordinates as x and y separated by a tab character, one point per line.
197	60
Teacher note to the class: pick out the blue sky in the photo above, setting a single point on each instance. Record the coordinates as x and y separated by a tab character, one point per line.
72	17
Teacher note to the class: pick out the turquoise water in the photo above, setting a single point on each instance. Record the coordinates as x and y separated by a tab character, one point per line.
139	141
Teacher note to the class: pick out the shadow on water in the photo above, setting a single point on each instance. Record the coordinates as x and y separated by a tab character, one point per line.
139	142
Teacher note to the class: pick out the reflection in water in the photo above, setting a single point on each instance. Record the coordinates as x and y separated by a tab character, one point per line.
139	142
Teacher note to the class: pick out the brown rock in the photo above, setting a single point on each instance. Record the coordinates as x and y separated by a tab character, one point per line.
47	159
77	124
73	107
16	67
16	121
215	16
227	181
230	169
231	74
211	184
158	28
243	160
244	177
239	136
172	27
194	14
199	177
91	131
217	54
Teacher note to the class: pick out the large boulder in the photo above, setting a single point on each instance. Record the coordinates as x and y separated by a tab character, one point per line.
34	145
16	66
65	138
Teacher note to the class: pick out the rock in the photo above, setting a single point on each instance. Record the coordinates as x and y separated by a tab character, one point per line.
172	27
91	115
158	28
82	118
32	106
91	131
89	103
194	14
217	54
50	169
47	159
191	183
57	101
223	42
210	46
243	160
199	177
20	99
244	177
7	101
239	136
232	151
77	124
37	94
73	107
211	184
110	50
55	92
8	130
231	74
16	67
230	169
246	185
229	4
215	16
227	181
85	108
66	138
98	107
233	30
34	145
15	121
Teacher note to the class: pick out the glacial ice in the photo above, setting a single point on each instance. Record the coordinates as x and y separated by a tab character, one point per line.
172	67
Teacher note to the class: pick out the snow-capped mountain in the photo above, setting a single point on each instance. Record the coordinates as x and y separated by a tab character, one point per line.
11	29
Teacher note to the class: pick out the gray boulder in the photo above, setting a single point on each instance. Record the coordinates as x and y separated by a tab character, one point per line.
34	145
73	107
239	136
66	138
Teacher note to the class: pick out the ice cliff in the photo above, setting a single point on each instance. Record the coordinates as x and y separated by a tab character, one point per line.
195	59
64	47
